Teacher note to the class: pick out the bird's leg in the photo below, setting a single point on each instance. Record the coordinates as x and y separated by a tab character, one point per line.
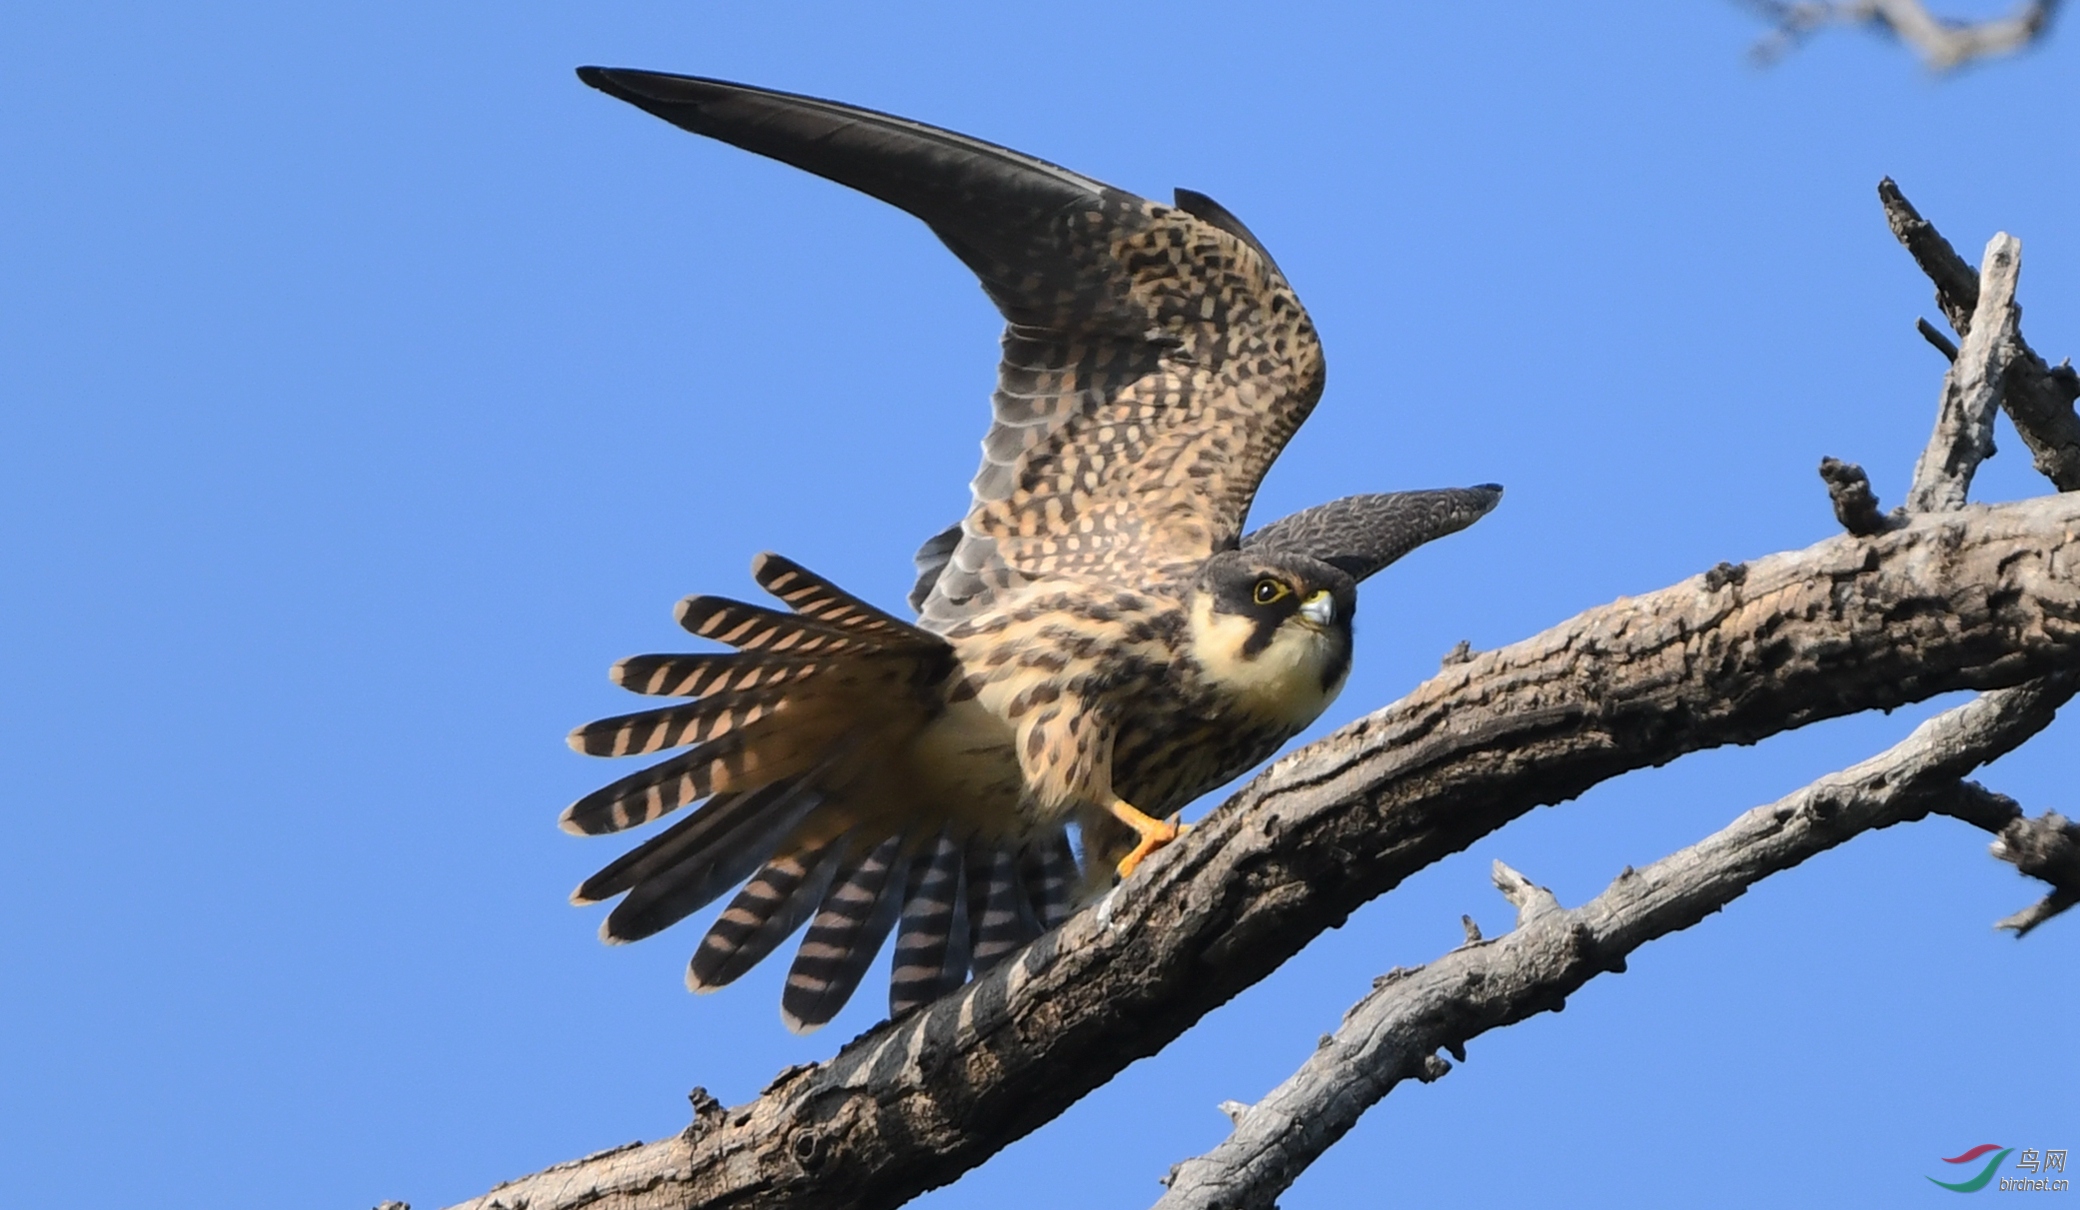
1154	833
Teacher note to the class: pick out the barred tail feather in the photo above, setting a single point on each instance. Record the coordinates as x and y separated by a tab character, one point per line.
847	931
695	722
755	628
765	913
671	675
673	886
931	956
812	596
669	847
1001	914
741	760
782	737
1048	869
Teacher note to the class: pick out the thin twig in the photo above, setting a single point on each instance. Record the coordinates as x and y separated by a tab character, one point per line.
1393	1033
1943	344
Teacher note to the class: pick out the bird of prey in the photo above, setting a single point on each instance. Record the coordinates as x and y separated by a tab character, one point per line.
1097	642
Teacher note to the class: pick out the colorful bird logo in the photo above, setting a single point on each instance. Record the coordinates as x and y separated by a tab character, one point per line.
1985	1174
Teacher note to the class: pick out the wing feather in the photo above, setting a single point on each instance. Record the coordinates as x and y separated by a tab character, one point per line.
1155	360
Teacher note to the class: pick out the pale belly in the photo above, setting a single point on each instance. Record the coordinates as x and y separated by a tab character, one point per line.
964	764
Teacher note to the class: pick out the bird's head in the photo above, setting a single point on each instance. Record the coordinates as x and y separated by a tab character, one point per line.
1272	630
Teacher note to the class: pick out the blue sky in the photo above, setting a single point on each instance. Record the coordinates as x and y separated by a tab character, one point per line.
371	385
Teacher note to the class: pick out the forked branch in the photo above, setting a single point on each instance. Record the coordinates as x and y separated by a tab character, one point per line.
1394	1033
1985	598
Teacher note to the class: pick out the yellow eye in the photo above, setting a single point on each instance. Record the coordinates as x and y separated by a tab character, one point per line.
1269	590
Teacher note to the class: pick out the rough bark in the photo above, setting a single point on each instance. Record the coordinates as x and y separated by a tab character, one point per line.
2038	397
2048	848
1905	607
1393	1034
1980	598
1389	1036
1972	388
1855	504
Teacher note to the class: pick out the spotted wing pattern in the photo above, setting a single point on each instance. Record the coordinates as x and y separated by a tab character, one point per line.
1154	361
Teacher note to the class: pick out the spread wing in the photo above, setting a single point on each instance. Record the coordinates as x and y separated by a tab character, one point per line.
1361	534
1155	360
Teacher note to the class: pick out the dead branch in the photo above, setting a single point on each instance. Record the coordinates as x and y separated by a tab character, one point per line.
1394	1033
1855	504
1942	44
2038	397
1972	388
1981	598
2047	848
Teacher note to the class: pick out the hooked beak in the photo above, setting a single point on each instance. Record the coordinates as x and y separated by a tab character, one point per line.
1319	609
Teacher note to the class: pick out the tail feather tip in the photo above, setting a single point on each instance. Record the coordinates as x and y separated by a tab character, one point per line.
797	1026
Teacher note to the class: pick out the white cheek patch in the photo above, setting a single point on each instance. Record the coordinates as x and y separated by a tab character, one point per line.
1283	682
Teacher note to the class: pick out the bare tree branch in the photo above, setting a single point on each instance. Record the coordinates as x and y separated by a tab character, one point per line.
1982	598
1972	388
1943	44
2048	848
1942	344
1394	1033
1974	598
2038	397
1855	504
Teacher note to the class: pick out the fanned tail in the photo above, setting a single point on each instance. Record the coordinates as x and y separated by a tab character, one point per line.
786	738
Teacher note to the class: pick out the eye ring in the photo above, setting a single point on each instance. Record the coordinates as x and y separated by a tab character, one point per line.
1269	591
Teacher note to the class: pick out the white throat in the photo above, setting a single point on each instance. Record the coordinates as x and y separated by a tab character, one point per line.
1280	684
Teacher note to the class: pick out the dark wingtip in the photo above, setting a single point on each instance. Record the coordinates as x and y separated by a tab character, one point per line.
609	80
647	89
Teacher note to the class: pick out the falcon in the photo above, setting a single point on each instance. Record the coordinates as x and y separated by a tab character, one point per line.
1096	643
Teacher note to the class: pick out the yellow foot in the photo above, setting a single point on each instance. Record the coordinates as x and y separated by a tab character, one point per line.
1154	834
